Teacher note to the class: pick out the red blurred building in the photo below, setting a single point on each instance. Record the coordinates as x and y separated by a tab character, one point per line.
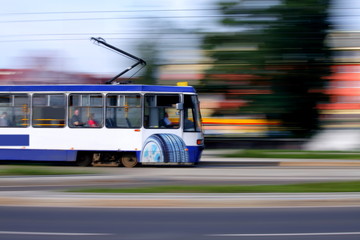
32	76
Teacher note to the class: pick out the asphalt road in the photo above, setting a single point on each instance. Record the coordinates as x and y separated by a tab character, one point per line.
19	223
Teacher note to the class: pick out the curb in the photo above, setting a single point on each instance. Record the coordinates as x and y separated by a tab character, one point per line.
293	162
320	164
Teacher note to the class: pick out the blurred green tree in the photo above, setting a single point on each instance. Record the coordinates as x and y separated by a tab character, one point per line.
272	54
149	51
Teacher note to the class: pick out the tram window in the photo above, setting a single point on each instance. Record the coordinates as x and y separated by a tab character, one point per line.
48	110
86	110
123	111
5	100
161	112
191	114
14	110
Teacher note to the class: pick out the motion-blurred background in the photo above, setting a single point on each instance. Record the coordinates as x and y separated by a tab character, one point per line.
269	70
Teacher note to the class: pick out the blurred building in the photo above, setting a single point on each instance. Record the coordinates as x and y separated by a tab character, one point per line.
35	76
343	110
341	116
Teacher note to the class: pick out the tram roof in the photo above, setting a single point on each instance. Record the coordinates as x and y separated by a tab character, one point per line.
95	88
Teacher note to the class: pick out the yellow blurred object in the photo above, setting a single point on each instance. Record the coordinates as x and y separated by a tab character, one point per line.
239	121
254	127
184	84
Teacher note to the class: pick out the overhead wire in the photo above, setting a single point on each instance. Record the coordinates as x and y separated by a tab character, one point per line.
64	36
111	11
73	35
132	11
112	18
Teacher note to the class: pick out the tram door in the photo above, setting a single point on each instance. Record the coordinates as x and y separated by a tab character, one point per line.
163	141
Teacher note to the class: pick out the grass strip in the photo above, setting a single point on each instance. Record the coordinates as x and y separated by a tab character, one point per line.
294	154
16	171
349	186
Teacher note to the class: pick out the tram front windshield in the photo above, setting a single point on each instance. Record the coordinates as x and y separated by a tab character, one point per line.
162	111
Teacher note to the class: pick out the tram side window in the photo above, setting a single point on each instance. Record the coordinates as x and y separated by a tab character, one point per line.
123	111
86	110
161	112
192	120
14	110
48	110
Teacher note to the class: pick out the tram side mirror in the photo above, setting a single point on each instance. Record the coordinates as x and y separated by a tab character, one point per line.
179	106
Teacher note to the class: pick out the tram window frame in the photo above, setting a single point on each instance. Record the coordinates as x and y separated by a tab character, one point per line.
192	115
87	106
13	109
47	111
154	116
116	106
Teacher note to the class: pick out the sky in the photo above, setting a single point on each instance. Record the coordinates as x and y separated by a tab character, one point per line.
346	14
60	30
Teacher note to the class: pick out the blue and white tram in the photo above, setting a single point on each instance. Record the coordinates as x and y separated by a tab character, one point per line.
101	124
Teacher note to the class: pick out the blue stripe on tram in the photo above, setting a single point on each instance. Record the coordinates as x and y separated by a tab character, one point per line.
14	140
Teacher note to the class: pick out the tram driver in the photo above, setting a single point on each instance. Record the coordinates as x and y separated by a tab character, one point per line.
165	122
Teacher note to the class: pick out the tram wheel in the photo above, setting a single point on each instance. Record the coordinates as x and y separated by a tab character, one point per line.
129	160
84	160
164	148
